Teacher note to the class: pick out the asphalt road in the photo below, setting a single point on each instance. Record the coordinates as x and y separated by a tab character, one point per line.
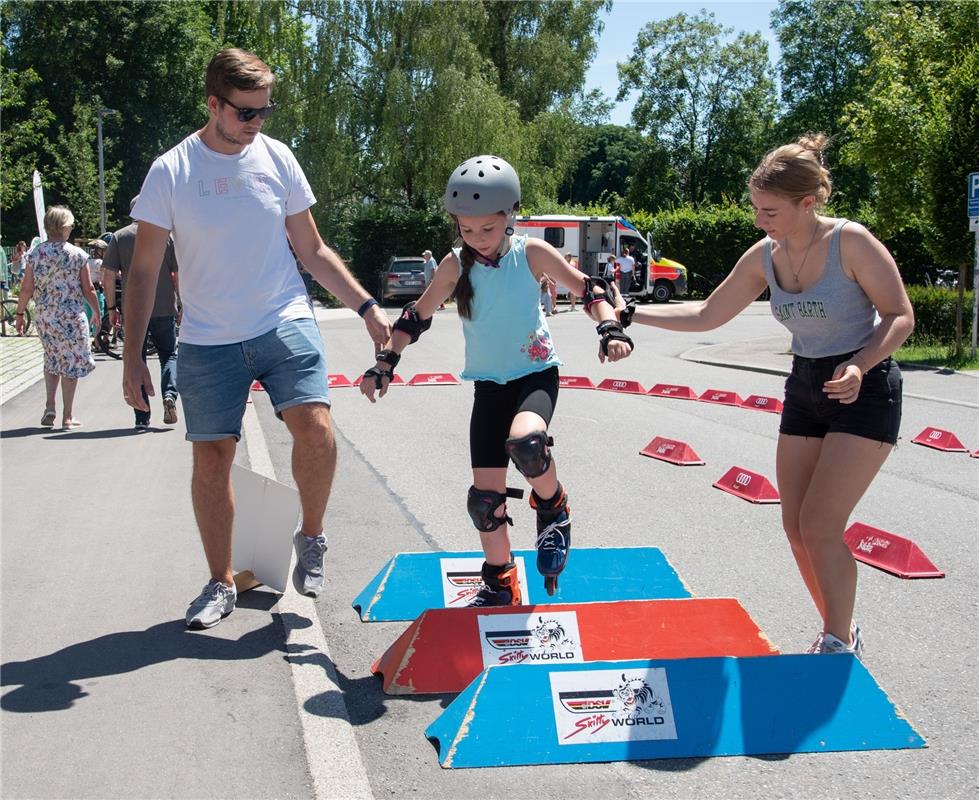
105	694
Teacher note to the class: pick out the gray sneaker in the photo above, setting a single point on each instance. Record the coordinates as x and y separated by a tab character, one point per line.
307	576
212	605
169	410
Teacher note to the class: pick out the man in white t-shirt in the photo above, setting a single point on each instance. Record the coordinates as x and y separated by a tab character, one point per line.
234	200
626	265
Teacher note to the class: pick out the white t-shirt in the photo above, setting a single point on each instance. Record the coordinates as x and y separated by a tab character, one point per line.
626	263
238	279
95	269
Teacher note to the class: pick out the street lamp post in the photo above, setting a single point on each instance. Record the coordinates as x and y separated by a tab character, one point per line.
101	113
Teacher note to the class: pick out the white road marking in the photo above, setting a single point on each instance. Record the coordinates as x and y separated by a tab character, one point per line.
335	763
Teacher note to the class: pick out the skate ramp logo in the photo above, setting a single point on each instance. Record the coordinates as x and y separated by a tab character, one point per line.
462	579
529	638
611	706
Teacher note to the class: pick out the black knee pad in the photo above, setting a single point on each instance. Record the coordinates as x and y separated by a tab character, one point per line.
530	454
482	504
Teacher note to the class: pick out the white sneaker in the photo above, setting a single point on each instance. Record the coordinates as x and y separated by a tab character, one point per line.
212	605
827	643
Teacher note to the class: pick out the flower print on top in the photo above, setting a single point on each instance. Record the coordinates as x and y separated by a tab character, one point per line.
538	347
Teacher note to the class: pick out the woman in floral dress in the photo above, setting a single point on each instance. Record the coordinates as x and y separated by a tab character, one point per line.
57	277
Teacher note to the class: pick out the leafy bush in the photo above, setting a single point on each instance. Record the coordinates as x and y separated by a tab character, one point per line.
378	232
708	241
934	315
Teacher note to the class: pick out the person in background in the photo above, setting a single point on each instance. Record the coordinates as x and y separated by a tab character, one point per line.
546	296
97	248
58	279
626	264
17	263
163	321
609	270
430	266
573	262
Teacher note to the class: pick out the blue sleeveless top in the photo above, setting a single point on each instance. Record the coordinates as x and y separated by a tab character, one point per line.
506	334
831	317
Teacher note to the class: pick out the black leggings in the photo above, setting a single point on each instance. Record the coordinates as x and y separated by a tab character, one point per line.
496	404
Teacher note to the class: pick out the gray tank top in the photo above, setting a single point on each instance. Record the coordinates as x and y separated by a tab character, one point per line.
831	317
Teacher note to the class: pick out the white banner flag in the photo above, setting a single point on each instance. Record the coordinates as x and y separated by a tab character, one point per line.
39	204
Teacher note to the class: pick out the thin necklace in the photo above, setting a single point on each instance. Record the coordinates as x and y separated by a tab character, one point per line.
788	255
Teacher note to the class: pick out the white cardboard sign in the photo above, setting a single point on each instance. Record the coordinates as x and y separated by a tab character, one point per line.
266	517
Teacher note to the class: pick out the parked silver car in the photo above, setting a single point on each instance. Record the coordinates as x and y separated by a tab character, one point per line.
403	277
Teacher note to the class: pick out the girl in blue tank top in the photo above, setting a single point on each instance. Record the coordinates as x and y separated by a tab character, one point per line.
495	278
838	291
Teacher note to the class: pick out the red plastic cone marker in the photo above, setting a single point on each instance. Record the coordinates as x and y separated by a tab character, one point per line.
617	385
673	451
748	486
721	397
761	403
257	387
889	552
940	440
434	379
673	390
575	382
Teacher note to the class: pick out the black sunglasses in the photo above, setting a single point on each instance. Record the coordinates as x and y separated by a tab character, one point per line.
248	114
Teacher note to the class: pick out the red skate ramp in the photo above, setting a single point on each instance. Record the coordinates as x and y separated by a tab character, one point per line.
444	649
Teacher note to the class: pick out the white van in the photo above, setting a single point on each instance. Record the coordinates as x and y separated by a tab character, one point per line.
590	240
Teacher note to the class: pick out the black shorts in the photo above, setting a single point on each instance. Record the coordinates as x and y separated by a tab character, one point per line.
875	414
496	404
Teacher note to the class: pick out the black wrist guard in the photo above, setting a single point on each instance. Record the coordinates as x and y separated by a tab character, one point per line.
610	330
379	375
409	322
625	315
591	297
389	357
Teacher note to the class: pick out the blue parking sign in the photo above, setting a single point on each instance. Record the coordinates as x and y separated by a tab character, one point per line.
974	194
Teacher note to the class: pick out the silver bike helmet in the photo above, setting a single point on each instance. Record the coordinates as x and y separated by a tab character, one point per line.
482	185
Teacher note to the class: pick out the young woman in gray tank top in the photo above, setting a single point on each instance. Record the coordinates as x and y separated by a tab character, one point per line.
838	291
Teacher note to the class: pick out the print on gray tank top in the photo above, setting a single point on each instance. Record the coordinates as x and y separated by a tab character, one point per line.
832	316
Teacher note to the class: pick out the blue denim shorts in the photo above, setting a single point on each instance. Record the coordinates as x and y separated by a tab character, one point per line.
214	380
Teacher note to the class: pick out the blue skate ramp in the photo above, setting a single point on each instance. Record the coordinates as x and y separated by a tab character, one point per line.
411	583
635	710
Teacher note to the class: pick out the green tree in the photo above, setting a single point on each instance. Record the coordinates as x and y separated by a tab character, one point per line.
709	101
824	49
920	55
75	169
915	126
145	60
610	155
541	49
22	135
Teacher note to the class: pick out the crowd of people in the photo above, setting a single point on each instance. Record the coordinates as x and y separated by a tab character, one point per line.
227	195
